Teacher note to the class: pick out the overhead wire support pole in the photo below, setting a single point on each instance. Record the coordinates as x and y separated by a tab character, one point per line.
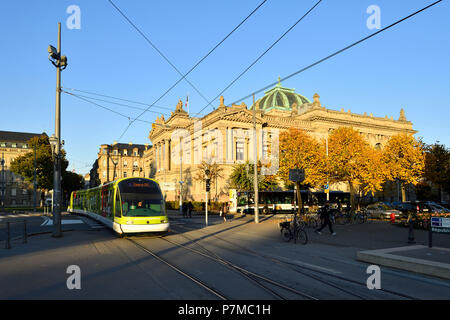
57	167
255	166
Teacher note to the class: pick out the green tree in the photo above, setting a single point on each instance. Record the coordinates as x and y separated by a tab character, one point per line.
437	167
24	165
71	181
241	178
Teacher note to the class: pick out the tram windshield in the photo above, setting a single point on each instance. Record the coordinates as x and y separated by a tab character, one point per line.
141	198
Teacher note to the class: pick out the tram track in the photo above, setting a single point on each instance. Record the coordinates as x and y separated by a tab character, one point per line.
177	269
258	280
311	272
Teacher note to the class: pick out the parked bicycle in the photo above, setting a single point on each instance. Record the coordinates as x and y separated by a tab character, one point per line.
293	230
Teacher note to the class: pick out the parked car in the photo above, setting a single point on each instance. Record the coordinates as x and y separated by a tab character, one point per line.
432	207
382	211
405	207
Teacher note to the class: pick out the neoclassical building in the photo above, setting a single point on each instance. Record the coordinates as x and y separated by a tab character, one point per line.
121	160
225	136
15	191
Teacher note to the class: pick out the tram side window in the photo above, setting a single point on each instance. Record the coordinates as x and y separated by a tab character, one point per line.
118	212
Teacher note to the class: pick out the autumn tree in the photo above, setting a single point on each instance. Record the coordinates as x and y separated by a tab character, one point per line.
352	160
437	167
405	160
298	150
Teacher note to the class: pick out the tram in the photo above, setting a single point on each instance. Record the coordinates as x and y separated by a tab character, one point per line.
127	205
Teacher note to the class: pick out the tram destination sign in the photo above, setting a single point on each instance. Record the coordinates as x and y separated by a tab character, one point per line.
296	175
440	225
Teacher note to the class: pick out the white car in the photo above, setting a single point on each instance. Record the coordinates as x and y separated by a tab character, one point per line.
382	211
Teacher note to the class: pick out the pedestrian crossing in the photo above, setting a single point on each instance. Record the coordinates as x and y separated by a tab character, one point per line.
93	224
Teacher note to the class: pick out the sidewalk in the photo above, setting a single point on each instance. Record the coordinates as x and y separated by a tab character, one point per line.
433	261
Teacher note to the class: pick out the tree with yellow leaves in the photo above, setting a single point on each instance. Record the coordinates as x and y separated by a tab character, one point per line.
352	160
298	150
405	160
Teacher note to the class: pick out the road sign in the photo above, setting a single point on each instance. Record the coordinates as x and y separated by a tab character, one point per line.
296	175
440	225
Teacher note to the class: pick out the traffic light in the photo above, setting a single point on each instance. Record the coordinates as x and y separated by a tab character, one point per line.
208	186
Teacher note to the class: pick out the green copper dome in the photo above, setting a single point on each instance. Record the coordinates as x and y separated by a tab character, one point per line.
281	98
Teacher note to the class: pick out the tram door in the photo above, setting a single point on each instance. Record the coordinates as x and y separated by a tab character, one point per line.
104	201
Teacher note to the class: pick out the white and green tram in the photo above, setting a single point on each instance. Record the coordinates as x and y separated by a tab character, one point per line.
128	205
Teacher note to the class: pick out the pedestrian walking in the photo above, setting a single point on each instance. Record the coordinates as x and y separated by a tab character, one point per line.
325	215
184	209
223	211
190	207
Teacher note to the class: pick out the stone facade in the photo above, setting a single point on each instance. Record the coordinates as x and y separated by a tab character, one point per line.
17	191
225	136
121	160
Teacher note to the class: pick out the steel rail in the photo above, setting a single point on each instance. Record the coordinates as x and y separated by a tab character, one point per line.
198	282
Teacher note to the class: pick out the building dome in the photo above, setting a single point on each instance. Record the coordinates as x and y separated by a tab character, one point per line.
281	98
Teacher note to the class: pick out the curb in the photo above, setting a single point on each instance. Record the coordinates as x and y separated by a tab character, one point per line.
388	258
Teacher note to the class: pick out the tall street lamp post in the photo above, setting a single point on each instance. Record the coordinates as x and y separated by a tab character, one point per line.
60	62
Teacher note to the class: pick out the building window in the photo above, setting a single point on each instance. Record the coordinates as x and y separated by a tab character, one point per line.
135	165
239	150
25	146
125	152
104	174
125	164
2	144
24	191
13	192
125	174
14	145
115	152
135	153
378	146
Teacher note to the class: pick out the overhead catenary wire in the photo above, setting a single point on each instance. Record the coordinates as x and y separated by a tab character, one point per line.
335	53
116	98
182	76
118	104
262	55
103	107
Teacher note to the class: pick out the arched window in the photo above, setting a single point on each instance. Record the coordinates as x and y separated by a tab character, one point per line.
378	146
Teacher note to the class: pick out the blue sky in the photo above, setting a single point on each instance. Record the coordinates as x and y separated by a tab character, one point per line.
407	66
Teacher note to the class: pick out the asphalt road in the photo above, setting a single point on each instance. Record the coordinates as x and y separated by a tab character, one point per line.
236	260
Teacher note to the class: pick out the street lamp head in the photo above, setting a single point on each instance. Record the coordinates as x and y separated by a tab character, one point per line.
53	53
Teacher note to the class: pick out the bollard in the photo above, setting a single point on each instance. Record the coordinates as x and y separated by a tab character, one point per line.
24	231
8	236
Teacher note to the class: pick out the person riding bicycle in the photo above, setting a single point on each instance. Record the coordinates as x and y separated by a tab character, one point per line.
325	214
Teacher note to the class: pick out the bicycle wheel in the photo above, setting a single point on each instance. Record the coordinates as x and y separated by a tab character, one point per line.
302	236
286	234
359	218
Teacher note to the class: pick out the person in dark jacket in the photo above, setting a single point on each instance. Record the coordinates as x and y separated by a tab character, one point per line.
325	215
190	207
